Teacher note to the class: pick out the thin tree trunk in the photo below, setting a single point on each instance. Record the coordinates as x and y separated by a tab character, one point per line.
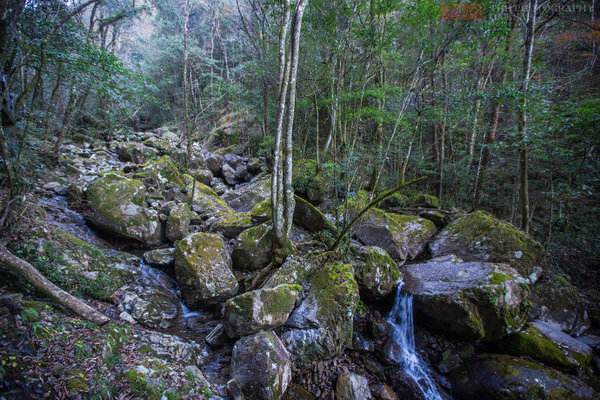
38	281
522	117
186	100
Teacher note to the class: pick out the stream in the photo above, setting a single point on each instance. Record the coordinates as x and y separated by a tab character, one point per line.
404	353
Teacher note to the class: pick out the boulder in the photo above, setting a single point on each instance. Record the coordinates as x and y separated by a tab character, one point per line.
309	217
229	175
136	153
152	306
479	236
500	377
253	249
262	211
161	258
233	223
295	270
204	176
321	326
559	301
260	309
178	222
351	386
402	236
80	267
118	205
161	174
376	272
206	201
246	196
203	269
548	344
470	300
261	366
214	162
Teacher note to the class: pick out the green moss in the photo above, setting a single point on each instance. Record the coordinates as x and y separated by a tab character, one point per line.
499	277
161	172
262	210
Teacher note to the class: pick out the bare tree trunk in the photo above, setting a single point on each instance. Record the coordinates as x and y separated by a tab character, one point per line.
289	202
38	281
186	100
522	117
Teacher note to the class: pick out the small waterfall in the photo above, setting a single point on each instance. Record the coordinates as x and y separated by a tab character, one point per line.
403	352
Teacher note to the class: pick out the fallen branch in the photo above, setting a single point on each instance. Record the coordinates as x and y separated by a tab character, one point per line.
39	281
378	199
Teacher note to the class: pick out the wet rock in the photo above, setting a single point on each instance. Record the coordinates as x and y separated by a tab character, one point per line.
161	258
548	344
310	217
252	250
321	326
376	272
178	222
261	366
471	300
118	206
152	306
499	377
203	269
402	236
481	237
381	391
260	309
559	301
351	386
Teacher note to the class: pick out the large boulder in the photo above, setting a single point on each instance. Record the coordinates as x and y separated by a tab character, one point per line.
80	267
206	201
295	270
203	269
244	197
402	236
321	326
231	224
137	153
178	222
351	386
259	309
479	236
560	302
152	306
161	174
253	249
310	217
309	183
376	272
117	205
214	162
261	366
500	377
471	300
547	343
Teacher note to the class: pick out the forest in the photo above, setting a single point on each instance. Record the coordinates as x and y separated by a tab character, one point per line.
300	199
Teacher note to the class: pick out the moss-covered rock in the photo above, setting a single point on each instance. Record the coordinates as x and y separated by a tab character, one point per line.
137	153
480	236
322	325
425	200
245	197
376	272
206	201
178	222
307	182
499	377
262	211
402	236
253	249
161	258
117	205
203	269
353	205
546	343
152	306
470	300
79	267
259	309
558	300
261	366
161	173
233	223
295	270
310	217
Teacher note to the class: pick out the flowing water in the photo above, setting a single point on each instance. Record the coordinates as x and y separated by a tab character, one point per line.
403	352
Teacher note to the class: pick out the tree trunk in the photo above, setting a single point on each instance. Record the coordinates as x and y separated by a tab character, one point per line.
522	117
186	100
38	281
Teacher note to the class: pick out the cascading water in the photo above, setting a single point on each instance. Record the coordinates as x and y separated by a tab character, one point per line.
403	352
